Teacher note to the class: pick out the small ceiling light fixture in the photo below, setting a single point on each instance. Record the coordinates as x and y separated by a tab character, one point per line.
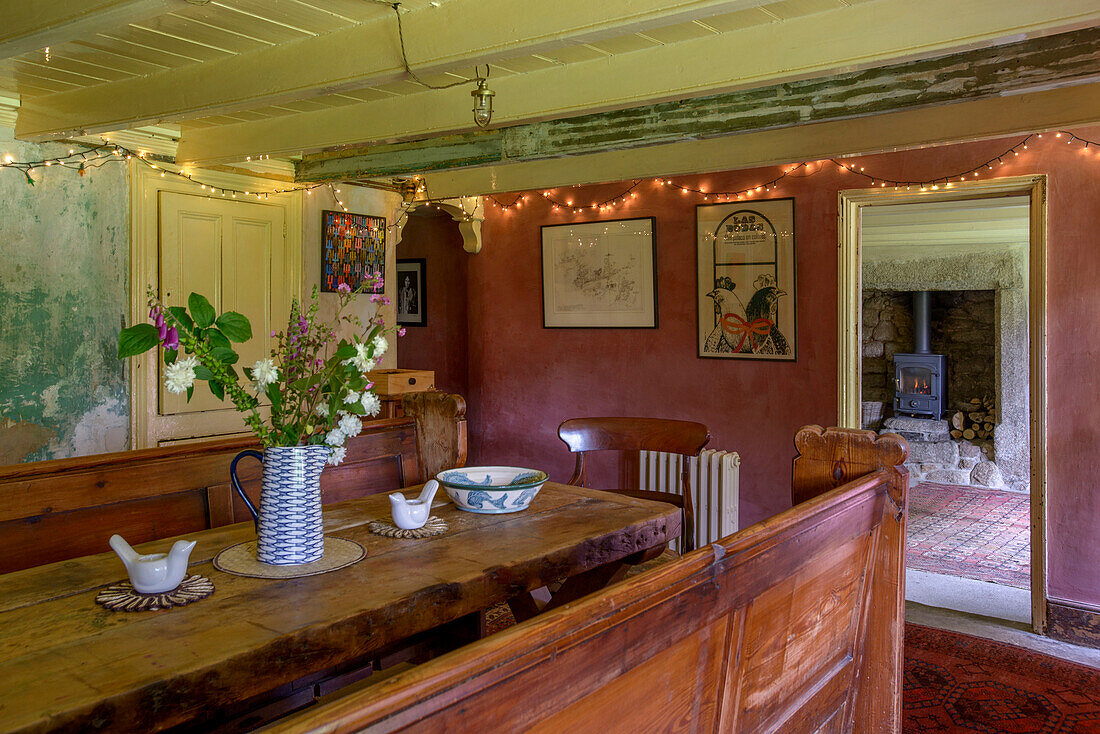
483	103
483	96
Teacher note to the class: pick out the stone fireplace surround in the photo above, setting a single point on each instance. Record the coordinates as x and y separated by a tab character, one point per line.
983	320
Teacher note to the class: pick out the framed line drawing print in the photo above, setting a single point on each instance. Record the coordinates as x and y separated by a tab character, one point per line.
600	275
411	292
746	279
353	246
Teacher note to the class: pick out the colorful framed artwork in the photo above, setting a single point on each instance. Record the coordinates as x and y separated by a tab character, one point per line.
746	279
412	309
600	275
353	247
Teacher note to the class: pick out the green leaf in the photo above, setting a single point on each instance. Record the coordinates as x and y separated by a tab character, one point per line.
190	392
235	326
170	355
216	389
225	355
307	382
248	372
180	313
274	396
346	351
137	339
201	310
216	338
203	373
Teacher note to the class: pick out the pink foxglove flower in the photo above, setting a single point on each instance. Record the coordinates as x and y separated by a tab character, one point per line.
172	340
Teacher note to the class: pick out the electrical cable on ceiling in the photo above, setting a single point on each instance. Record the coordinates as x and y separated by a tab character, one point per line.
483	96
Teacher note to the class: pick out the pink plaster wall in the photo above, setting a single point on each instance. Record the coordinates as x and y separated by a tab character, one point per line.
524	379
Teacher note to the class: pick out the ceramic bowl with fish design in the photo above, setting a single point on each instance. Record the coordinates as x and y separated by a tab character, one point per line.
492	490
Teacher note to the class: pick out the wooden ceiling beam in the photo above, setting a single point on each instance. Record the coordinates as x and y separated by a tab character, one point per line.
1038	63
1067	107
863	36
450	38
30	25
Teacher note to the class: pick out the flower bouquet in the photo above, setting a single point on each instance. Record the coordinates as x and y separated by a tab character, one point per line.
316	385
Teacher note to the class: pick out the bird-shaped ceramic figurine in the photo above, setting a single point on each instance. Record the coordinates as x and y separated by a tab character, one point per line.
154	573
412	514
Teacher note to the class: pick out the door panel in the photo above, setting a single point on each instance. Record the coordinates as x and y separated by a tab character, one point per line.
234	253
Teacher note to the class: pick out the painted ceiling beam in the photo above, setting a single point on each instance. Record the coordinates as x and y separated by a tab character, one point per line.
862	36
31	25
1066	107
1038	63
450	38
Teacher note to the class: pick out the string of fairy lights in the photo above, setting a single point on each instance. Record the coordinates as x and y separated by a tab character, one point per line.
94	156
560	203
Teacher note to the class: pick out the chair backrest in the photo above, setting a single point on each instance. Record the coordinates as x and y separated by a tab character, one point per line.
582	435
65	508
791	625
440	430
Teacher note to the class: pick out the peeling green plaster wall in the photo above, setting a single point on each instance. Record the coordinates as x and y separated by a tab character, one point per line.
64	253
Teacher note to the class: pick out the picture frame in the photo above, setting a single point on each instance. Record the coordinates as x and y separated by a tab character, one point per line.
746	280
600	274
412	294
353	246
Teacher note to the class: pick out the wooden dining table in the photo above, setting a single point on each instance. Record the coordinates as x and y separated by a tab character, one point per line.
68	664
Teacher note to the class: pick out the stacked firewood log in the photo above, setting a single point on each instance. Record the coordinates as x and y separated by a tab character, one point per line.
976	423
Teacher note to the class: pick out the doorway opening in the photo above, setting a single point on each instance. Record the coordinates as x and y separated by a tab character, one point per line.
945	293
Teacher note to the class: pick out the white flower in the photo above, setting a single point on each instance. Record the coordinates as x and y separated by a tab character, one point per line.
362	359
371	404
335	438
322	409
351	398
337	455
264	373
380	346
180	375
350	425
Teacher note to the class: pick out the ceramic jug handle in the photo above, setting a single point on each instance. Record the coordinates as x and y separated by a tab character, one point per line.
237	484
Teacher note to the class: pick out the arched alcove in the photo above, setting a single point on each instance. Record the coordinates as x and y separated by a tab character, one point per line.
434	236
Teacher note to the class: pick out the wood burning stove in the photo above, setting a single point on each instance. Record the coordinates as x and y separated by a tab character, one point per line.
920	379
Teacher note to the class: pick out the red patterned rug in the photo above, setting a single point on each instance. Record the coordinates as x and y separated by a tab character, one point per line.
973	532
956	683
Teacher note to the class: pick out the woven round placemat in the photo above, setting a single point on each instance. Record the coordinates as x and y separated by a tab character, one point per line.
122	597
434	526
240	560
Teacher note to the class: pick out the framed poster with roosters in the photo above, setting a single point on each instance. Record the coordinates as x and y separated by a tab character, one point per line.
746	280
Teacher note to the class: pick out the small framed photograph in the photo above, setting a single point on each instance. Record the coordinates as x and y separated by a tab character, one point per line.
411	293
600	275
746	280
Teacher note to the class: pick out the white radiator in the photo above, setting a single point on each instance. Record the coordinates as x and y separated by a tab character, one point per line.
714	488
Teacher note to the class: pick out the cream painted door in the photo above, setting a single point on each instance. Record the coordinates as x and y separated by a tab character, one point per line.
234	253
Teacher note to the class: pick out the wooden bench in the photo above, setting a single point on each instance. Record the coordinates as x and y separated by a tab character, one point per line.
791	625
66	508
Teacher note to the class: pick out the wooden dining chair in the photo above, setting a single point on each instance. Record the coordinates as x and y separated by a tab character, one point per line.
440	430
686	438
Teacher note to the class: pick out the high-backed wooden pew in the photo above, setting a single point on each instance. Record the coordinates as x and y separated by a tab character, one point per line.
66	508
791	625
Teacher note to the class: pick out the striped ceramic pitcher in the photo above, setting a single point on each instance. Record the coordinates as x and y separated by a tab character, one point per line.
288	522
